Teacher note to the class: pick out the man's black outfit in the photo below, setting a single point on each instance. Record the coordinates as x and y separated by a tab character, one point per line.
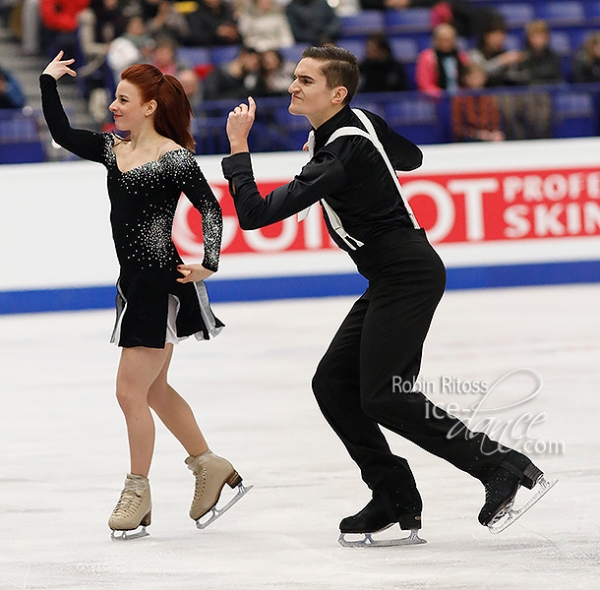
365	380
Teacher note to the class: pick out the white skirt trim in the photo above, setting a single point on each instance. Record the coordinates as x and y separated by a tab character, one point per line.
173	309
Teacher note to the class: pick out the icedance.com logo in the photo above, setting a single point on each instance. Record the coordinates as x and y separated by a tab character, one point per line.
498	410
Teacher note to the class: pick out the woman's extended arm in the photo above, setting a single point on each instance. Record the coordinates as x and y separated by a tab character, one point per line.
85	144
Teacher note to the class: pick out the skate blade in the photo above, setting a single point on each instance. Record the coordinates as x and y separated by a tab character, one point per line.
215	512
368	541
129	535
510	515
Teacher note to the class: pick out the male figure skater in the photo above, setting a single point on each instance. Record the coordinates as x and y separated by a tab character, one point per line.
360	384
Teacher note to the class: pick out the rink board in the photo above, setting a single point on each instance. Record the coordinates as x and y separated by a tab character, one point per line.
519	213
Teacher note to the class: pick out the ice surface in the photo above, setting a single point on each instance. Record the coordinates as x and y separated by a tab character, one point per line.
63	453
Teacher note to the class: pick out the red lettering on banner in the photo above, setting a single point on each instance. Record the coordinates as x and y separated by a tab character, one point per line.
285	236
473	207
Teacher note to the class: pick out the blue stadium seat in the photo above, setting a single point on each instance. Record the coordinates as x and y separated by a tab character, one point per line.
356	46
423	40
20	140
561	42
517	14
416	118
363	102
219	55
592	13
411	74
404	49
209	134
514	41
411	20
297	128
561	13
192	56
574	115
362	24
293	53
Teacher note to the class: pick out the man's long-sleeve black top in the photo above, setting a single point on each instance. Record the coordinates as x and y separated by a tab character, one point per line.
349	173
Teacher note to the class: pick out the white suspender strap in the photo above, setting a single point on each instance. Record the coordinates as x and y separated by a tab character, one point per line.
371	135
377	143
332	216
338	228
310	142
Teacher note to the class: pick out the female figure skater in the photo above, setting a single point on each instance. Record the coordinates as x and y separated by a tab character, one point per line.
160	300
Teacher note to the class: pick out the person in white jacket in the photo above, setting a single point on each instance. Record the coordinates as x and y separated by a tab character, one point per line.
264	26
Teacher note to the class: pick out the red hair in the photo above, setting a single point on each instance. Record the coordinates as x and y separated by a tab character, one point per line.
173	111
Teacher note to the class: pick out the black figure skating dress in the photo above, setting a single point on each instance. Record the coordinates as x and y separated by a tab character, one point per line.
143	202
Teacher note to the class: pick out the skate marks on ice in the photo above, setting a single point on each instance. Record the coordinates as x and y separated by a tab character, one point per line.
509	515
215	512
57	375
347	540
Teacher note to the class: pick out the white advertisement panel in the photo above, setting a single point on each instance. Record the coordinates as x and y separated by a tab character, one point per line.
483	206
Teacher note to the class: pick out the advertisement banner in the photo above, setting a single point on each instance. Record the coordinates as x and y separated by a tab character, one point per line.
453	208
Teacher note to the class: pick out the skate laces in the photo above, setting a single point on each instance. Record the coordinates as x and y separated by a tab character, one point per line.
130	499
200	483
197	467
128	503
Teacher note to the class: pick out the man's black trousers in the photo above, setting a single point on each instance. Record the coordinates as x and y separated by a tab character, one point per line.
360	383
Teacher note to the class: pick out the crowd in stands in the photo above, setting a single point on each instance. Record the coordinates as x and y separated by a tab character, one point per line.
467	50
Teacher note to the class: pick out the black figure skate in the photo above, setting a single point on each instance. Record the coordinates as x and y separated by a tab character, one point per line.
374	518
501	489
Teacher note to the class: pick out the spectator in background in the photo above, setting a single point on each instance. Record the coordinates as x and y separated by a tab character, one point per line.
31	27
395	4
11	94
500	65
529	115
313	22
212	23
467	18
6	7
475	117
440	67
134	46
379	71
164	56
276	74
109	19
98	25
540	65
235	79
59	18
192	86
586	61
162	19
264	26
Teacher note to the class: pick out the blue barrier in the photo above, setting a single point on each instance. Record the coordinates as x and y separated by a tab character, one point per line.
270	288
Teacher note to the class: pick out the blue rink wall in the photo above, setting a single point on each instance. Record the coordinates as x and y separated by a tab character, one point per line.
56	251
258	289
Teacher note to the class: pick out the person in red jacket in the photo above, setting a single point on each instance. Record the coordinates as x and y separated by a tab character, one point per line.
59	19
440	67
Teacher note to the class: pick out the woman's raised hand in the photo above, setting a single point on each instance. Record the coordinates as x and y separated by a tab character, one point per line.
58	67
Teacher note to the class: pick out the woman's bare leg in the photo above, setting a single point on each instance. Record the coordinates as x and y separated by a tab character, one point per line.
138	369
174	412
